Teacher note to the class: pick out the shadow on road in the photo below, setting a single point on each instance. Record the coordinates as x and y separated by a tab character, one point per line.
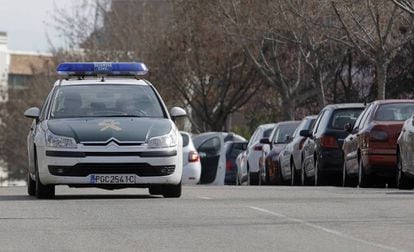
401	192
78	197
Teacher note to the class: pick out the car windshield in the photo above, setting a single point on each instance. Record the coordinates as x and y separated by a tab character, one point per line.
394	112
106	101
343	116
282	131
267	132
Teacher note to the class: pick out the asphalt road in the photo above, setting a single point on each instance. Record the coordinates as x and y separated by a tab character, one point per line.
209	219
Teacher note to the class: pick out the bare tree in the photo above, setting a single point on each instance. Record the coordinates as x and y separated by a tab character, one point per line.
376	30
405	5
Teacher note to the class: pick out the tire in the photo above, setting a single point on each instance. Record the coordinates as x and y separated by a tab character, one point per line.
403	182
364	180
43	191
31	185
259	179
155	190
318	177
304	178
347	181
254	178
171	191
293	174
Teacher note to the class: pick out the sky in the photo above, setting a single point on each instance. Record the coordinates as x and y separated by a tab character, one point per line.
27	22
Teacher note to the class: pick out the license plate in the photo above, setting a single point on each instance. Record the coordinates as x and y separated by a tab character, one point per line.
113	179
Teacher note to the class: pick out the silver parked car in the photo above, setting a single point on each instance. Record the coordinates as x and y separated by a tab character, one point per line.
191	161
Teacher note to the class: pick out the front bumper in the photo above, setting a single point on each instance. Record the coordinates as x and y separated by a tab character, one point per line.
78	166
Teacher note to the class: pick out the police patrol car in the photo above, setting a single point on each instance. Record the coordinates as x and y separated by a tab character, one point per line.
101	126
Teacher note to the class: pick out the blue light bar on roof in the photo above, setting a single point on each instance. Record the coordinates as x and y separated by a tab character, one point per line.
102	68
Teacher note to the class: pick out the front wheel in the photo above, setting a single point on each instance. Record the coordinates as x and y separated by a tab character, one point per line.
293	174
172	191
44	191
254	178
364	180
347	181
318	177
31	185
403	182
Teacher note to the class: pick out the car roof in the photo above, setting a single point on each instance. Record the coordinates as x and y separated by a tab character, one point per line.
287	123
392	101
344	105
311	117
98	81
267	125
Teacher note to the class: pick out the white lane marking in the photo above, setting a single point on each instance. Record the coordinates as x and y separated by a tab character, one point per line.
205	198
327	230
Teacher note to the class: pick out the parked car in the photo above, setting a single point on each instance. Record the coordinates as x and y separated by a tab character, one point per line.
323	157
191	161
248	164
292	156
370	149
233	149
405	156
211	148
271	172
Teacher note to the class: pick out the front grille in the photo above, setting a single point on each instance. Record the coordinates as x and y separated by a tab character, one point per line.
85	169
111	154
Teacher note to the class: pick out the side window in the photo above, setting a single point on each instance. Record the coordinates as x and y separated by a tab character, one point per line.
364	119
45	105
318	121
358	122
211	147
253	137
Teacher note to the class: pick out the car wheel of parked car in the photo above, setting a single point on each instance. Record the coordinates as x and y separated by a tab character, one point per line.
171	191
293	174
347	181
364	180
318	178
254	178
403	182
155	189
31	185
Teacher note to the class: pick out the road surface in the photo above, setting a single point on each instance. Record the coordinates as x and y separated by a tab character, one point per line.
209	219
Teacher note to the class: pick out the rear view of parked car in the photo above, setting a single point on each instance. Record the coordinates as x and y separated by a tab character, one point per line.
292	156
271	172
253	152
370	149
405	156
211	148
191	161
233	149
323	157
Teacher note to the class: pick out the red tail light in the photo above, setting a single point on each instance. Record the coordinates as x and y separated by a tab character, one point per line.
329	142
228	165
258	148
193	156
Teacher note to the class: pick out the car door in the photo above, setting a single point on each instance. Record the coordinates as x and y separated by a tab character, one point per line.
213	160
309	146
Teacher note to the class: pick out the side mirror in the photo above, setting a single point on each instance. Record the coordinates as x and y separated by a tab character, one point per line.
287	138
177	112
265	140
348	127
32	112
305	133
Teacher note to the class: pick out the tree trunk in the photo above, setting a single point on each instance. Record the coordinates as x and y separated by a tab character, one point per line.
381	68
288	108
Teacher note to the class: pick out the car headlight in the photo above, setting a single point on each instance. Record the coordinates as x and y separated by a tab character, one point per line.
168	140
55	141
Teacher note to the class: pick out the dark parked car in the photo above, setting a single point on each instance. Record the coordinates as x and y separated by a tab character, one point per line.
210	147
232	149
405	156
370	149
323	157
270	169
292	156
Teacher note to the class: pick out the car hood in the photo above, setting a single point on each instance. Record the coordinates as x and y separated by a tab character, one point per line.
103	129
